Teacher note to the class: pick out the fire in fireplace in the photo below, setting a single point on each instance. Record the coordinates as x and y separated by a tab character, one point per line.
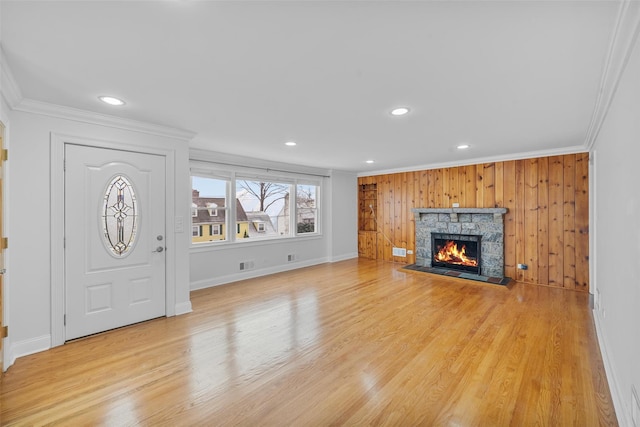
456	251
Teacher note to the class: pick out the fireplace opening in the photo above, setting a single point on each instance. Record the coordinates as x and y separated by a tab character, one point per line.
456	251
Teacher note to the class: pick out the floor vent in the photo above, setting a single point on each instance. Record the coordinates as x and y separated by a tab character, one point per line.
399	252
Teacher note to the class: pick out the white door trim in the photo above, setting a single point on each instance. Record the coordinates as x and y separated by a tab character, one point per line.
58	142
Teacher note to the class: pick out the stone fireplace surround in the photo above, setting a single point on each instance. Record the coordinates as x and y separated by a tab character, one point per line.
486	222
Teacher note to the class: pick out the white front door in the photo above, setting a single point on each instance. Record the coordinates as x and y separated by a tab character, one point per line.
114	239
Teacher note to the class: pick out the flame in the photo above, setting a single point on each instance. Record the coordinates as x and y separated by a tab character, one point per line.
452	255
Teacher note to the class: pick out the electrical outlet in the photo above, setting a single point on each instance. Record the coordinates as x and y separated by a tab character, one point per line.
409	252
523	266
246	265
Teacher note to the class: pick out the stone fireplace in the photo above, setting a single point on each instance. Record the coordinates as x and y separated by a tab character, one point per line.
486	224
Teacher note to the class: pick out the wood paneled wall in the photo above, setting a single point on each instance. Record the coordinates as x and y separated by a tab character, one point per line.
546	226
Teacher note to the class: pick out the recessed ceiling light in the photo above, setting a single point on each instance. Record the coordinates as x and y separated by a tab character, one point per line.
111	100
290	143
401	111
463	146
369	161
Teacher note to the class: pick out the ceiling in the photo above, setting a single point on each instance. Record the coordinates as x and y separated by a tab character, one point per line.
506	77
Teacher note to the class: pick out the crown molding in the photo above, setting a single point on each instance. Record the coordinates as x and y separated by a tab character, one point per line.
10	90
90	117
479	160
237	163
623	40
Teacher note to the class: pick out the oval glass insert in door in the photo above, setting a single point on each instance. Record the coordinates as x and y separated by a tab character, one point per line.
120	216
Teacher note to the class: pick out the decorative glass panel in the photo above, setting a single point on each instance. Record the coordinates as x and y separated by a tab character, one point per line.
120	216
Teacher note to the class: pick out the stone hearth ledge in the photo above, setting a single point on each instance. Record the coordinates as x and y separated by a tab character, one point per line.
453	212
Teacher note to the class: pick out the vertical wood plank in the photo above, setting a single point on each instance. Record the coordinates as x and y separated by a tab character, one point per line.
415	203
383	210
531	220
582	221
432	189
404	216
470	186
479	186
569	212
499	184
424	189
396	228
462	182
438	188
543	220
446	185
556	221
454	191
488	181
361	216
509	173
520	218
389	225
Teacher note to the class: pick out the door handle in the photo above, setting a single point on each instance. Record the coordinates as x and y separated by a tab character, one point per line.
159	249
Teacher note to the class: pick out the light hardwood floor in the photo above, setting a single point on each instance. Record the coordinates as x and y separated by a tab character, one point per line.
358	342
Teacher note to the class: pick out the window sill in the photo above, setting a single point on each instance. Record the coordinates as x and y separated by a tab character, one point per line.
216	246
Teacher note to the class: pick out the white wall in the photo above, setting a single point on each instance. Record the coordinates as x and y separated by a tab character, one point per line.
617	220
29	211
215	265
344	216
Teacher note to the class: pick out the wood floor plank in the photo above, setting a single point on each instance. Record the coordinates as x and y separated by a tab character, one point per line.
359	342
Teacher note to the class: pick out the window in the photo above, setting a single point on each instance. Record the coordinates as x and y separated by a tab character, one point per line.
257	207
212	208
306	208
209	208
266	204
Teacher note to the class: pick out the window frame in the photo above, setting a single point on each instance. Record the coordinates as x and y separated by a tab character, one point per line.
316	222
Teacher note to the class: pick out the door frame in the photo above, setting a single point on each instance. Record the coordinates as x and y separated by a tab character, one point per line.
58	143
2	254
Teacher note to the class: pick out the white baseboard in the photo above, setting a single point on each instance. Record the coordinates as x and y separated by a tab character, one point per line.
251	274
344	257
7	357
183	308
27	347
614	386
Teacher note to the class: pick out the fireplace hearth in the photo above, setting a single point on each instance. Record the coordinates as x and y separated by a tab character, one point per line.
457	251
